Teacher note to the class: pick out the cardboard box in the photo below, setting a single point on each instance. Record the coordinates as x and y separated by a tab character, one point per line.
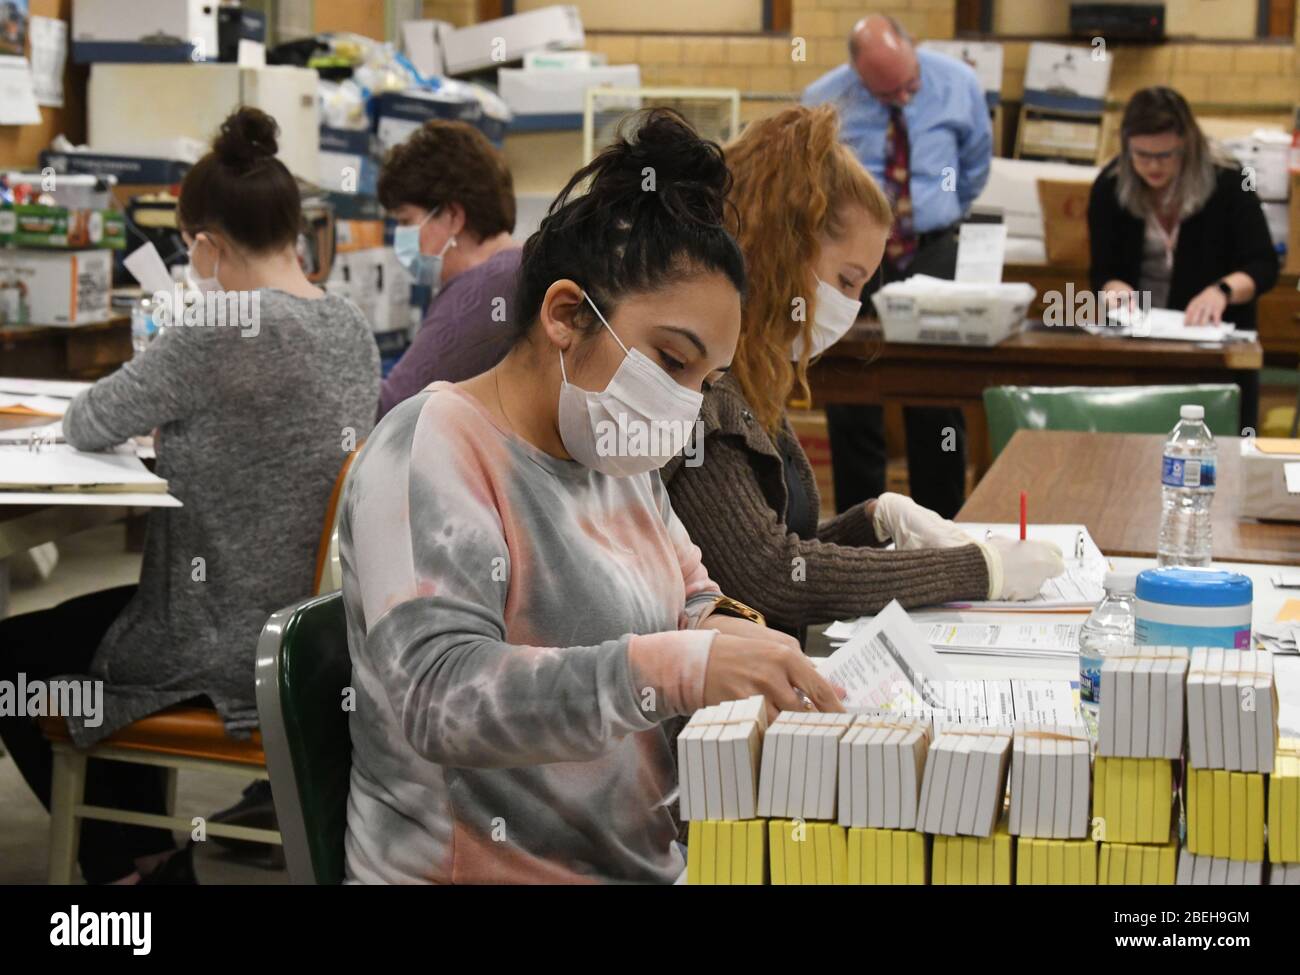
985	59
1267	153
1012	191
1066	72
49	287
1264	491
346	165
423	40
33	225
1065	221
144	30
398	114
560	91
493	43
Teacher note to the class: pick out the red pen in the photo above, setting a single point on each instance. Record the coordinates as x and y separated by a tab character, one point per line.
1024	505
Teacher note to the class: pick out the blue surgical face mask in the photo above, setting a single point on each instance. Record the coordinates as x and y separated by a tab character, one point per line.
425	269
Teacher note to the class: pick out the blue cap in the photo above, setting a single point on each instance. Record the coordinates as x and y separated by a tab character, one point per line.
1179	585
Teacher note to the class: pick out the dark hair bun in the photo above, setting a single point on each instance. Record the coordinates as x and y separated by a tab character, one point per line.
660	160
247	137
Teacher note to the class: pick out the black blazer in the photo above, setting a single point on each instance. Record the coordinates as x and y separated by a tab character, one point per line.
1228	234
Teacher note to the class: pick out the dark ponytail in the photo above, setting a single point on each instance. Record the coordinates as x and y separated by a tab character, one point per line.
652	212
240	189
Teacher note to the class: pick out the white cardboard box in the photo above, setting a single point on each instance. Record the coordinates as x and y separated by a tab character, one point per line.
1065	69
132	21
507	39
560	91
1265	157
1264	491
53	287
983	57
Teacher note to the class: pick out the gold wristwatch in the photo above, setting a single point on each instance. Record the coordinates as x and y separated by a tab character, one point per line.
726	606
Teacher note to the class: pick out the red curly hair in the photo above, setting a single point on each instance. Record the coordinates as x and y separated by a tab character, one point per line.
792	180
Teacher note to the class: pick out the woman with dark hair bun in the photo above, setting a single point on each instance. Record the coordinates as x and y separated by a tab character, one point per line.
256	393
525	611
1176	221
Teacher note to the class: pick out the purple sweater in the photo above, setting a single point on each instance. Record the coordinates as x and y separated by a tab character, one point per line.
466	330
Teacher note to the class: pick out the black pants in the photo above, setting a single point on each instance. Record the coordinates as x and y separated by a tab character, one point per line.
936	436
62	640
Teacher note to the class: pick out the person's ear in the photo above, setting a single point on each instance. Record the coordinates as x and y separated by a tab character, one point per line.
455	218
560	314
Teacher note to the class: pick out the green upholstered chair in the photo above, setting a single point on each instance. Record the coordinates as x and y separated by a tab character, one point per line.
1106	409
302	669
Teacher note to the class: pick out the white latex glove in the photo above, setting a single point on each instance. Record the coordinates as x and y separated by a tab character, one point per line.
1017	570
908	525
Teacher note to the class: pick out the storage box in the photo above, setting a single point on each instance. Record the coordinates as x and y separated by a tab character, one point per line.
1012	191
507	39
33	225
1267	154
48	287
422	40
144	109
346	165
144	30
937	312
399	113
1069	76
1264	464
984	58
560	91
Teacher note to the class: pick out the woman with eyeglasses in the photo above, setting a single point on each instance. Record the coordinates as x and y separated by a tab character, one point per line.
1172	218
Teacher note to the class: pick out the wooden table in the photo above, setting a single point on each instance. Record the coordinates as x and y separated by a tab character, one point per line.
1111	483
58	352
862	368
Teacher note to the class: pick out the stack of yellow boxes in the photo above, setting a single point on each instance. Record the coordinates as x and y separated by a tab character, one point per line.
984	860
887	856
1050	780
1041	861
808	853
1132	809
727	852
1225	814
1284	805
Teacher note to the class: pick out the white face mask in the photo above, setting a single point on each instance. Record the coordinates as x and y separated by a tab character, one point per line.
638	423
200	284
833	315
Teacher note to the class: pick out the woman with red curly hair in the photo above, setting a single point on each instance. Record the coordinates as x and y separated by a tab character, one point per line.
812	225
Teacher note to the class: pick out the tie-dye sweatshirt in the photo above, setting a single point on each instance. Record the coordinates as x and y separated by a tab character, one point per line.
520	626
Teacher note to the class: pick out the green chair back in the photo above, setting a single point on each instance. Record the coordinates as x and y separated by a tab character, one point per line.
1106	409
302	668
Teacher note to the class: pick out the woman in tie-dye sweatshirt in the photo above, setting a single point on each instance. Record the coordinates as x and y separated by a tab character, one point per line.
521	623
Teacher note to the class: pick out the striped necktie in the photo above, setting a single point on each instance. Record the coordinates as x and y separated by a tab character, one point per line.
901	246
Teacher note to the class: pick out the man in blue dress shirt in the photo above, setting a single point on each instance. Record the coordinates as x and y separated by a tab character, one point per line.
919	123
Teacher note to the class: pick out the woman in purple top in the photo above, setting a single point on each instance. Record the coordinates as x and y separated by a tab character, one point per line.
453	199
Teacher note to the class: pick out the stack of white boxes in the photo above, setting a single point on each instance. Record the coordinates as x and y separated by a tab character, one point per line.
1231	710
717	760
965	781
1143	691
800	764
1196	870
1051	775
881	762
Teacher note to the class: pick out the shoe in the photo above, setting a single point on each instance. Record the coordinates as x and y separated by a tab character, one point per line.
255	809
176	870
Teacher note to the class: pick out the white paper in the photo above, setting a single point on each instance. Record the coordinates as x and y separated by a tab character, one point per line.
1291	472
1079	587
49	54
48	432
62	388
981	248
17	97
120	499
62	466
251	54
1036	639
146	266
1166	324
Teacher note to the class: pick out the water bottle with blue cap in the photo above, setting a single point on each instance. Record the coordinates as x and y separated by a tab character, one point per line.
1187	480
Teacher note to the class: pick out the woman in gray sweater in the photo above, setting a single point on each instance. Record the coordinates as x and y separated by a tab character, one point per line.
254	414
812	225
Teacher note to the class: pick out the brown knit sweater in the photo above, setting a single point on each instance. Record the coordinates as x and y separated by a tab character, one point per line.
733	504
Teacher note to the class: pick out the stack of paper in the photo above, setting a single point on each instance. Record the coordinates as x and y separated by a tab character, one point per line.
1280	637
1053	862
808	853
717	760
1142	702
881	760
1079	587
1133	798
1231	710
983	860
61	469
1050	771
965	781
1199	871
800	764
1225	814
1284	804
729	852
887	856
1284	873
1127	864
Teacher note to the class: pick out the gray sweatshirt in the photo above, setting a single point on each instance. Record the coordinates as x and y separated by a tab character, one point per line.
253	429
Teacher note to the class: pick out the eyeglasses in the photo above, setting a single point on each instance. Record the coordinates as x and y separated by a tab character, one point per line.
1141	156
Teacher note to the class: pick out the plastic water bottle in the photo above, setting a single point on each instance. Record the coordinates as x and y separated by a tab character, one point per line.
1187	480
1108	629
143	327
